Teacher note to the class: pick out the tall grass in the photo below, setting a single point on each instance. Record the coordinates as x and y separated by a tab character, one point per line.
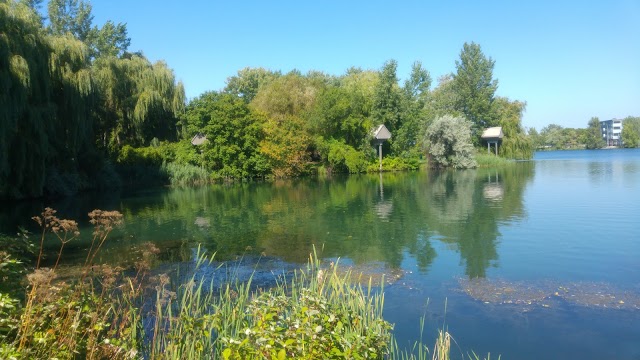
485	160
105	313
185	174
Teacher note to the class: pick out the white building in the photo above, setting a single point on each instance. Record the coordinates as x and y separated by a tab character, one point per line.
611	132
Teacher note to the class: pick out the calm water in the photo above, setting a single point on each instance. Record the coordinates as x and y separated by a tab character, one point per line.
537	260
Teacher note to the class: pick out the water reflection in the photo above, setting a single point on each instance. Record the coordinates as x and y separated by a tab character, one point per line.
368	219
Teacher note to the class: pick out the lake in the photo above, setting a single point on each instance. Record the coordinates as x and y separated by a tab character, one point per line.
539	259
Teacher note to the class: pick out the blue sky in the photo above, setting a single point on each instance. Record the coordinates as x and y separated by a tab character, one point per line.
569	60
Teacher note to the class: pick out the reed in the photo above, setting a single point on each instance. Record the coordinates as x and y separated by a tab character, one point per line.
316	312
489	160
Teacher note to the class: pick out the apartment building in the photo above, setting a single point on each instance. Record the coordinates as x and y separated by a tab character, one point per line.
612	132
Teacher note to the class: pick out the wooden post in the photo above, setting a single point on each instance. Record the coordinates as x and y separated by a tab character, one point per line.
380	147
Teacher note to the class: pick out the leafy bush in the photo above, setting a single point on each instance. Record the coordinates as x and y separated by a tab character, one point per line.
341	157
309	326
148	156
449	142
392	163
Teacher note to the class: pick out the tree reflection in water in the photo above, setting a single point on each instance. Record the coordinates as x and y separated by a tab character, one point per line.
377	218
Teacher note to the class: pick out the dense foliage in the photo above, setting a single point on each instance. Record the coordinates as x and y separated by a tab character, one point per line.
77	106
593	135
631	132
450	143
71	96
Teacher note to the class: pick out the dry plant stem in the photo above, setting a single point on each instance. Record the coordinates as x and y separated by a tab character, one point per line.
44	231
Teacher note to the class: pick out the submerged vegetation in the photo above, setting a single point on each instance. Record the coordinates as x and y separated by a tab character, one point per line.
110	312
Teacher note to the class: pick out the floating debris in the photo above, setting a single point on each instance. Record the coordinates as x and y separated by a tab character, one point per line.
586	294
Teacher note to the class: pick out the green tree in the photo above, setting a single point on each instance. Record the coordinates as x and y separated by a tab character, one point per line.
233	135
109	40
139	101
552	136
70	17
387	101
449	143
24	101
341	114
631	132
536	140
47	100
593	138
285	103
248	82
35	5
286	146
475	88
291	94
516	144
415	95
74	17
443	99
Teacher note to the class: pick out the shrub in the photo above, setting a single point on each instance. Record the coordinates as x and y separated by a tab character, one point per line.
449	142
392	163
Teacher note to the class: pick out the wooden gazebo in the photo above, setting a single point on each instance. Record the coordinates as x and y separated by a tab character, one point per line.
493	136
380	135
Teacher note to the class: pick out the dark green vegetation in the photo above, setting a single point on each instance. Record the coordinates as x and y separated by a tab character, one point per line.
72	97
80	111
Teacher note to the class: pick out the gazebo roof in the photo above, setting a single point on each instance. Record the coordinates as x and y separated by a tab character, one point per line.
492	133
199	139
382	133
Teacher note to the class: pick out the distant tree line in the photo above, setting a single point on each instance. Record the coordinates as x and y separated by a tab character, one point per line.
556	137
79	111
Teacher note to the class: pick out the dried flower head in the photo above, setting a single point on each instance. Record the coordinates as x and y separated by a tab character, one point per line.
104	221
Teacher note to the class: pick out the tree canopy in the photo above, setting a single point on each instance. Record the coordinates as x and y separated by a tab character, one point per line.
76	105
475	87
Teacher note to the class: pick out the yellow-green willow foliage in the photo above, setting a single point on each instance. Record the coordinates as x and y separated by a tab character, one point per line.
73	94
25	103
46	102
515	144
139	101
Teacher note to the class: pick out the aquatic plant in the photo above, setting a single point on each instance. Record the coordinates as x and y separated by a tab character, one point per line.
105	312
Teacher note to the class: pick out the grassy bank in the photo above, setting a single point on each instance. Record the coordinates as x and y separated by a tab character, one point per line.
485	160
107	312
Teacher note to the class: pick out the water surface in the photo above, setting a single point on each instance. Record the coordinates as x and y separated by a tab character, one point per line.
540	259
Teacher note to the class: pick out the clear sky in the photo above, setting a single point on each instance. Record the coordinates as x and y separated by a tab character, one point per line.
569	60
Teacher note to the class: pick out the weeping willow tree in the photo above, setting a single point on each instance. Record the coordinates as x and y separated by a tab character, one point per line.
516	144
139	101
25	102
46	103
73	94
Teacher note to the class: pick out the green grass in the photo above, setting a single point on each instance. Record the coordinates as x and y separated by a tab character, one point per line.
185	174
485	160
